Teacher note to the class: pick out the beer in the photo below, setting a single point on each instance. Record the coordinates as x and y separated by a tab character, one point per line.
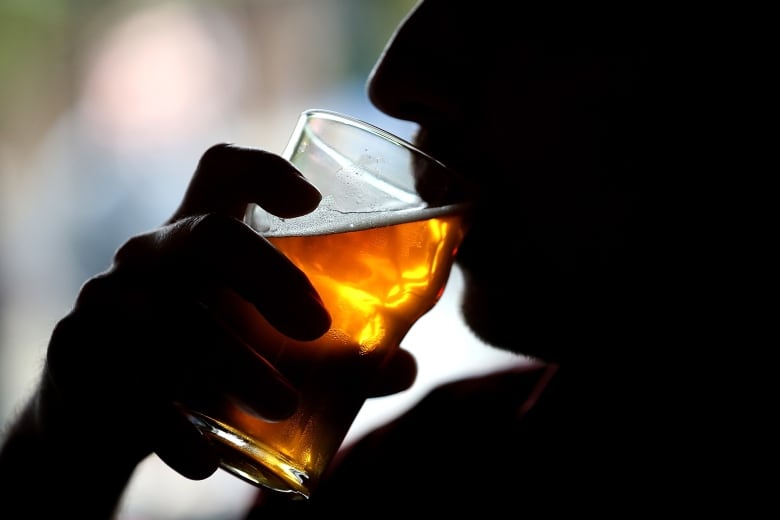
375	282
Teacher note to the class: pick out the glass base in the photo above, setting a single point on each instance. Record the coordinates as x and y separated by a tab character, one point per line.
251	460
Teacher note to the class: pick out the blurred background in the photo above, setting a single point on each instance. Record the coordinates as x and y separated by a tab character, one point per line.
105	108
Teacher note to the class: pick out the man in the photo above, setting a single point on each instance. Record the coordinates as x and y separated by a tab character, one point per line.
570	260
564	262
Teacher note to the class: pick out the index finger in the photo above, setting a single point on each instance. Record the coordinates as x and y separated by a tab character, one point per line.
229	177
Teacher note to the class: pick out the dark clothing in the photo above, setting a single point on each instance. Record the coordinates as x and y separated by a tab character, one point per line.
519	442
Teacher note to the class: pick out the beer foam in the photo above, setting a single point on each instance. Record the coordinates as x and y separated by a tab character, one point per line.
327	220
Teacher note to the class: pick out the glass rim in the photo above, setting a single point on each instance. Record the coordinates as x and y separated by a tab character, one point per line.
371	128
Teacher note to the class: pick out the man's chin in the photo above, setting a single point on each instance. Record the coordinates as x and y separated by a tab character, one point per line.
502	315
493	317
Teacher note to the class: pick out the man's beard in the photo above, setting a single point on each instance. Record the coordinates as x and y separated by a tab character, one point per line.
541	313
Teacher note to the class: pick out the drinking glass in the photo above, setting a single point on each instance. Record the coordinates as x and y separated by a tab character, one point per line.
378	250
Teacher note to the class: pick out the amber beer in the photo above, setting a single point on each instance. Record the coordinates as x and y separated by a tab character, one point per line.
376	282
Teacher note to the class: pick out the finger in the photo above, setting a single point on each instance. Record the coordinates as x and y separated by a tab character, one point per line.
229	177
230	366
182	447
398	374
261	275
197	253
198	356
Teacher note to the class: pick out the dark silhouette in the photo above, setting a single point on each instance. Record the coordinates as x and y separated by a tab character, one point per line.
579	256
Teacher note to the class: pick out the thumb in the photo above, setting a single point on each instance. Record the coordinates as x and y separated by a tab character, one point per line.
230	177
